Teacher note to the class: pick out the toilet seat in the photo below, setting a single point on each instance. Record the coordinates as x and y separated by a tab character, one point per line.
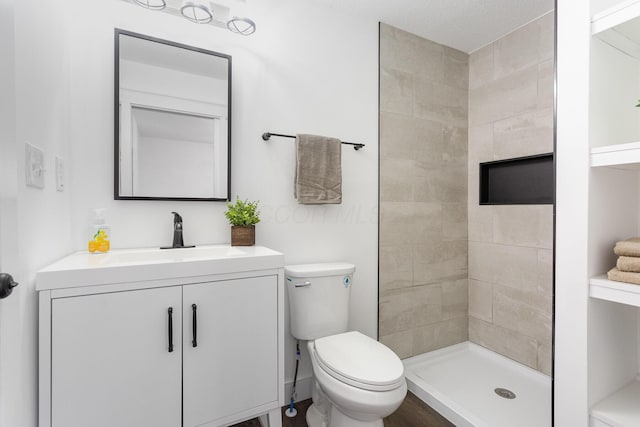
357	360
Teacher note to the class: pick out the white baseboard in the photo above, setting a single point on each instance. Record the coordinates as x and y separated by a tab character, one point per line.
303	389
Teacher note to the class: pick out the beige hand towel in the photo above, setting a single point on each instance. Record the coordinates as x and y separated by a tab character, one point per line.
628	263
318	177
629	247
623	276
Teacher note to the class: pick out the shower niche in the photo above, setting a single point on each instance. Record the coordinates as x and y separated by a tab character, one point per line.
520	181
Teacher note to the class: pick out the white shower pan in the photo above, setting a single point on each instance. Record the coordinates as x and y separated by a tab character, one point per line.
460	383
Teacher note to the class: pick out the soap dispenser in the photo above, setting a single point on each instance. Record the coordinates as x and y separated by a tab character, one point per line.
100	233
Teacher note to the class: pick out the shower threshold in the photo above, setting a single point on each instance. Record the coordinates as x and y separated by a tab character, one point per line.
475	387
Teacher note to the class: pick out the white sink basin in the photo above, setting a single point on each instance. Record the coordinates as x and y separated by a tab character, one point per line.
154	256
135	265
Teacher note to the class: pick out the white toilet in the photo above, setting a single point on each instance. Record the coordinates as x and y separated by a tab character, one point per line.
359	381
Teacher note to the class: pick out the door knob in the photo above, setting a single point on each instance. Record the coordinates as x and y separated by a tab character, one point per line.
6	285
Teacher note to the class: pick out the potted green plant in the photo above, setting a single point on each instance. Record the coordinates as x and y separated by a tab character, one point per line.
243	216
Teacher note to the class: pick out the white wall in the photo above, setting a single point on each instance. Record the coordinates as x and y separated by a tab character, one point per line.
306	69
38	220
9	313
613	93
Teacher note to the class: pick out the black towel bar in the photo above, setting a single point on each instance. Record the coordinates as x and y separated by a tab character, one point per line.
267	135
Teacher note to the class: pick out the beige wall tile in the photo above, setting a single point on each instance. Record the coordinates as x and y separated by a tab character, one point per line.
439	102
547	36
454	221
480	147
407	223
545	271
481	300
396	91
440	335
481	261
409	53
454	147
455	299
480	221
523	135
436	261
544	358
430	187
397	179
523	225
525	312
509	96
396	267
408	308
445	184
545	84
504	341
452	183
517	50
400	342
515	266
481	67
456	68
403	137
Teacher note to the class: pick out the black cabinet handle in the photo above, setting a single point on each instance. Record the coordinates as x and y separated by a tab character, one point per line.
170	313
194	309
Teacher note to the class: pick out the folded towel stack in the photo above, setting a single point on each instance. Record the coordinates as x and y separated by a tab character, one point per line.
627	267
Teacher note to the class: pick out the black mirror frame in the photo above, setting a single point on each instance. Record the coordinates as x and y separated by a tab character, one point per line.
116	118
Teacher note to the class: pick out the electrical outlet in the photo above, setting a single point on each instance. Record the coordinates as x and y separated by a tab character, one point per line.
59	174
34	166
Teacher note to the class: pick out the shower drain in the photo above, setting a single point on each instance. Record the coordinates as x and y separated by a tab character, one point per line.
503	392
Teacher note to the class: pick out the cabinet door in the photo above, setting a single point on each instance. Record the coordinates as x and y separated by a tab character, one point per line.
111	364
234	367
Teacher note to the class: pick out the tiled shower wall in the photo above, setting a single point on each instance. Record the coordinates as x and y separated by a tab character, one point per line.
423	193
510	247
429	186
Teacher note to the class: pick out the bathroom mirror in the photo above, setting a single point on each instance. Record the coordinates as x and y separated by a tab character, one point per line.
172	120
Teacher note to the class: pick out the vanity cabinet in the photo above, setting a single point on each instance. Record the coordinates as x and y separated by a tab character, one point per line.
194	350
235	351
110	364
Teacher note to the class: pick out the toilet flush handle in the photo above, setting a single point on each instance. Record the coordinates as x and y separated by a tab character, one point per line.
303	285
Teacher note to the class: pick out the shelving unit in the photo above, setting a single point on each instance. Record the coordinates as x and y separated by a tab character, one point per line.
621	408
624	293
614	214
625	156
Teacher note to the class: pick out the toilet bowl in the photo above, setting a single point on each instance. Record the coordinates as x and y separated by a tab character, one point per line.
358	381
362	380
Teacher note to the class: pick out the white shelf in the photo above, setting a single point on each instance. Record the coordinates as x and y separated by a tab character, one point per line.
622	408
619	27
625	156
615	15
624	293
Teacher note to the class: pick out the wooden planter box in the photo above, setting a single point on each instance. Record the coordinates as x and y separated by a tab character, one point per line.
242	235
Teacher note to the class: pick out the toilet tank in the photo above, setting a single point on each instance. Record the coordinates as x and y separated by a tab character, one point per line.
318	298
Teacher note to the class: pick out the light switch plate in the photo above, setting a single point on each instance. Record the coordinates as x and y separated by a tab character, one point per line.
59	174
34	166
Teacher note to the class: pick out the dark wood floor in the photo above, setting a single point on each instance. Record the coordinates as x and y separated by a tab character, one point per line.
412	413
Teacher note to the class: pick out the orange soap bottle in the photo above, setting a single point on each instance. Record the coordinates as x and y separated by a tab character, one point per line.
100	233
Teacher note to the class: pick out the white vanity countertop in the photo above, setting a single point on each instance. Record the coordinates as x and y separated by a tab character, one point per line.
132	265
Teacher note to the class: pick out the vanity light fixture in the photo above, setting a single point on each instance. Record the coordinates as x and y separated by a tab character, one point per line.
152	4
196	11
228	14
244	26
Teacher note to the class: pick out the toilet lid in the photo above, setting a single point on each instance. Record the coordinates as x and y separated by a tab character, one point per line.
360	360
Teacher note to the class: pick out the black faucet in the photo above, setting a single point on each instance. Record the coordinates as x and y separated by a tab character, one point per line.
178	242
